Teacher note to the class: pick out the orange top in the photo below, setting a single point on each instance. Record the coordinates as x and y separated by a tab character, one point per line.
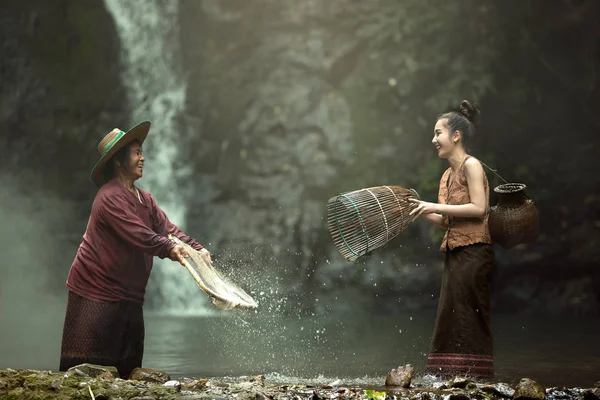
462	231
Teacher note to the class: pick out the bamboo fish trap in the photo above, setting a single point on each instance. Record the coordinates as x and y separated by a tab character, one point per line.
364	220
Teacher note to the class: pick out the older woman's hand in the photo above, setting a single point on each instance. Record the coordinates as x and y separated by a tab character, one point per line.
178	254
206	253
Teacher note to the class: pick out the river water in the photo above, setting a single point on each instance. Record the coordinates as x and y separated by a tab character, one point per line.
358	348
361	349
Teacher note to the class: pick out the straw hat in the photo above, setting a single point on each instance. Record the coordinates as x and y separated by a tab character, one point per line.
112	142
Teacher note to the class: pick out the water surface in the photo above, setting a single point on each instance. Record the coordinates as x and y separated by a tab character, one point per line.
358	348
361	349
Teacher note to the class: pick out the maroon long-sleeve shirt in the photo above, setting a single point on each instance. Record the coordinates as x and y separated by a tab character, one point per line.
114	259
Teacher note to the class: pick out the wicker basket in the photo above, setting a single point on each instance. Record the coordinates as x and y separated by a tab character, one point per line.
514	220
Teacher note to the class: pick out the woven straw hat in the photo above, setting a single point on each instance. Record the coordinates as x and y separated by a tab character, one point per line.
112	142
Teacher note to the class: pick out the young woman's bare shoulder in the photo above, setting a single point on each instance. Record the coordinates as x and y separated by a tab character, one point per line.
473	163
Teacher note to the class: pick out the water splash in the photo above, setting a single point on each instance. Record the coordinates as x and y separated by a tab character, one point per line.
149	35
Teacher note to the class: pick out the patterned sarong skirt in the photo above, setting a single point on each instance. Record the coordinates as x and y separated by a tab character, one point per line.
104	333
462	337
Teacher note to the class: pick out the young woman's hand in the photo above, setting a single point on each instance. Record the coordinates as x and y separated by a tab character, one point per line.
423	208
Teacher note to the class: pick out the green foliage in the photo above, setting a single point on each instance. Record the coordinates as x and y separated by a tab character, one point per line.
374	395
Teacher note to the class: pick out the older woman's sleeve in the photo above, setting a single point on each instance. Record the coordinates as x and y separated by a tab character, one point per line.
120	215
164	226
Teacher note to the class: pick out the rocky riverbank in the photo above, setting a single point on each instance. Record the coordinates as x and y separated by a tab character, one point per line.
101	383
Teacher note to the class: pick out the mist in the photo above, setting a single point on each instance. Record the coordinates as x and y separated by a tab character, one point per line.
32	303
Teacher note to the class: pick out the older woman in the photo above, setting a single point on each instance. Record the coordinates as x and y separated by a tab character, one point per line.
104	321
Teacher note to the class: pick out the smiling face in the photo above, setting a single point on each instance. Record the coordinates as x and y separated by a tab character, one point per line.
135	160
128	162
443	140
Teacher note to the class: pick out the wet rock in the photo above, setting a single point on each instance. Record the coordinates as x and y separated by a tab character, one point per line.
457	396
499	389
563	394
256	379
259	379
93	370
421	396
528	389
243	386
109	376
196	384
333	384
591	394
460	383
401	376
597	385
173	384
75	372
149	375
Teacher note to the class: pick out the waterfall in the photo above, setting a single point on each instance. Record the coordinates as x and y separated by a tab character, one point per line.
152	73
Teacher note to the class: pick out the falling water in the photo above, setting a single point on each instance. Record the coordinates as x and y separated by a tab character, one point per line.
149	35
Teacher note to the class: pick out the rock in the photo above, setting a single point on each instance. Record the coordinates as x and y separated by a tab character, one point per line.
528	389
149	375
260	379
109	376
597	385
501	389
243	386
457	396
93	370
173	384
75	372
197	384
563	394
335	383
460	383
55	385
591	394
401	376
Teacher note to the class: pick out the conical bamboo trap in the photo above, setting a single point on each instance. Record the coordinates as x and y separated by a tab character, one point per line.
364	220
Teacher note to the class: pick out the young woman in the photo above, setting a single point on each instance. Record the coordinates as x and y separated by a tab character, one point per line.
104	321
462	337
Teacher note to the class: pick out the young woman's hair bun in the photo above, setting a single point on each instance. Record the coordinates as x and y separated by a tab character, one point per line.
470	111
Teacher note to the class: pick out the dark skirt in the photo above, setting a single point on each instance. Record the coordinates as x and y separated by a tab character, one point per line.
104	333
462	338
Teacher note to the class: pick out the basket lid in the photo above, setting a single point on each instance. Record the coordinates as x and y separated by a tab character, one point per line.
510	188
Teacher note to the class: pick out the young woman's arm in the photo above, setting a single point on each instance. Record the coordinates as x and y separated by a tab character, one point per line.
475	209
436	219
